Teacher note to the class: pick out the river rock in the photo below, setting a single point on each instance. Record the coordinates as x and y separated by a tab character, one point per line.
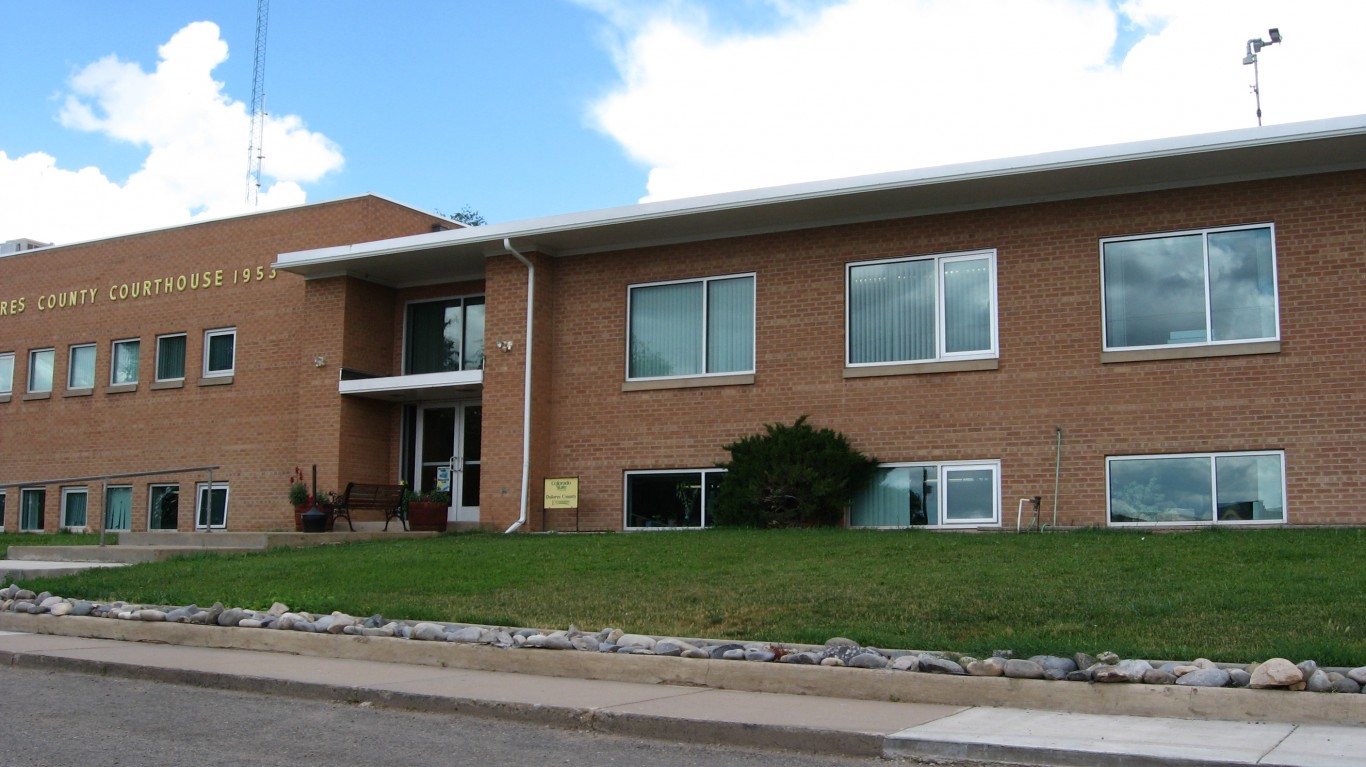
1158	676
1107	673
1238	677
428	632
468	635
82	607
1344	684
760	656
1318	681
936	665
1204	677
61	608
636	640
1275	672
1018	668
993	666
1108	658
868	660
231	617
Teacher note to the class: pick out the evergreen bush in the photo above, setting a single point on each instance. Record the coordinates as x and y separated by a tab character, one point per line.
790	476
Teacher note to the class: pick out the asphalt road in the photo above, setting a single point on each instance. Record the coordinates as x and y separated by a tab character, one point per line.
53	719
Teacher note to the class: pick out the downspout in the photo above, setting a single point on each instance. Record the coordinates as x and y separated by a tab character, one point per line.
526	387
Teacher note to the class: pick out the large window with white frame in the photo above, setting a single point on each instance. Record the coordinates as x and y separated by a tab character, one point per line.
921	309
32	501
1202	287
80	372
220	352
211	508
444	336
1196	488
163	507
950	494
6	373
118	508
40	366
123	364
74	507
685	328
671	499
171	357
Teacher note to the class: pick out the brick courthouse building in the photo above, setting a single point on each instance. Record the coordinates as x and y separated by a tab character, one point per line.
1162	333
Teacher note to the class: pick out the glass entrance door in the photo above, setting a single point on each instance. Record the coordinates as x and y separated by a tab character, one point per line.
448	455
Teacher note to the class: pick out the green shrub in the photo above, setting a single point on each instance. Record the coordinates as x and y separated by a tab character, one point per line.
790	476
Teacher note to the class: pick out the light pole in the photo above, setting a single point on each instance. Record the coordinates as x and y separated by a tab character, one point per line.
1254	46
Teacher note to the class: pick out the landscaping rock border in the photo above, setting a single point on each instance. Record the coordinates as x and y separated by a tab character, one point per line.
1104	668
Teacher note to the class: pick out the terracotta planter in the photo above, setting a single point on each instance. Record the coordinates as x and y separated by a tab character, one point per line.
427	516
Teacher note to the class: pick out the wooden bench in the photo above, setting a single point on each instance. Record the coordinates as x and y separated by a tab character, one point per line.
360	496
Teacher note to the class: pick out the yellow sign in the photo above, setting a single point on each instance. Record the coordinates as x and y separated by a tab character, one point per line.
562	493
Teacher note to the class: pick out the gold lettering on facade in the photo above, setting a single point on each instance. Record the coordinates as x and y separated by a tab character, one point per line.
124	291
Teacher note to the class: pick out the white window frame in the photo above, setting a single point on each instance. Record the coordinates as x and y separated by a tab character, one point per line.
71	366
1209	329
32	355
68	492
944	469
156	363
1214	490
702	499
151	495
706	307
7	382
941	326
465	305
212	334
199	491
23	493
114	361
104	512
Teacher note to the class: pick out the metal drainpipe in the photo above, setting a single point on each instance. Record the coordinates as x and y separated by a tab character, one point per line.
526	389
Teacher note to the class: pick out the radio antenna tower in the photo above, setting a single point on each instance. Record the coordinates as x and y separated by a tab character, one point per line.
258	104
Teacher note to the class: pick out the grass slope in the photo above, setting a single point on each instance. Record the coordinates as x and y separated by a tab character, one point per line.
1225	595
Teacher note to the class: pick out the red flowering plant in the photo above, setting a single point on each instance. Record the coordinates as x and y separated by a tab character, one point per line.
298	489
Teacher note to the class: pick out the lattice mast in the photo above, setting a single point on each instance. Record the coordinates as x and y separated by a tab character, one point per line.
258	104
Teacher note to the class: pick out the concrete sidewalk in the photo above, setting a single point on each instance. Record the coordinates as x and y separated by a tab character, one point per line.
808	723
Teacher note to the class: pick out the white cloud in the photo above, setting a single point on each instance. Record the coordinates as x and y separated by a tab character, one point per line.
196	142
872	85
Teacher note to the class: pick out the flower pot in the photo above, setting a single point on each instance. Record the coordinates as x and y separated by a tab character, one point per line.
300	509
427	516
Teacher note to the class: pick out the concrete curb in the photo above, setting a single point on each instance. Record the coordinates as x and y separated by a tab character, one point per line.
1221	704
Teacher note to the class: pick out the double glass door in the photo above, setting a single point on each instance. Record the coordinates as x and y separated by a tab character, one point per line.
448	456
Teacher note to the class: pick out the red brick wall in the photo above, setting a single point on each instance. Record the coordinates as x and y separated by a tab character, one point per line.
279	411
1306	400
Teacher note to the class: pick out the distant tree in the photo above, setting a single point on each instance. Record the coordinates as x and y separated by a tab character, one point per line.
467	216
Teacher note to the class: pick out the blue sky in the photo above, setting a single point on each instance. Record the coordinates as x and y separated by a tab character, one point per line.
526	108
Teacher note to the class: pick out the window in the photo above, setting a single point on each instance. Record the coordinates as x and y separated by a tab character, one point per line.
73	507
31	503
930	495
40	363
924	309
444	336
1196	488
691	328
2	509
123	368
671	499
171	357
1205	287
220	348
118	508
6	373
211	514
163	504
80	374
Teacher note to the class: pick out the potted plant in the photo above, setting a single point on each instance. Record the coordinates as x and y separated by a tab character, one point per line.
427	510
302	500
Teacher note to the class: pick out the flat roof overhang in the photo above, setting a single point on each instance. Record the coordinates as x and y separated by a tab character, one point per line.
1243	155
425	387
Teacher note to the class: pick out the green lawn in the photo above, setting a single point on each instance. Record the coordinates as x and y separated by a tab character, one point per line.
1226	595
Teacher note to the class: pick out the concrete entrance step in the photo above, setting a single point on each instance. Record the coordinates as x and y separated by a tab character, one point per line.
155	547
116	554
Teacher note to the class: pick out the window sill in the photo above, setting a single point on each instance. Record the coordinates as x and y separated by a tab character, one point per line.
77	393
689	383
1192	352
921	368
215	381
157	385
120	388
4	398
32	396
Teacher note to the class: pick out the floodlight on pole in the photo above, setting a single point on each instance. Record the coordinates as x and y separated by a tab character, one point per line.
1255	46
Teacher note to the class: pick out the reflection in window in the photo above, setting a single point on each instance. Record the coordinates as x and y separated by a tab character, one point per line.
123	369
163	507
1203	287
6	373
922	309
932	495
1197	489
671	498
40	362
445	336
